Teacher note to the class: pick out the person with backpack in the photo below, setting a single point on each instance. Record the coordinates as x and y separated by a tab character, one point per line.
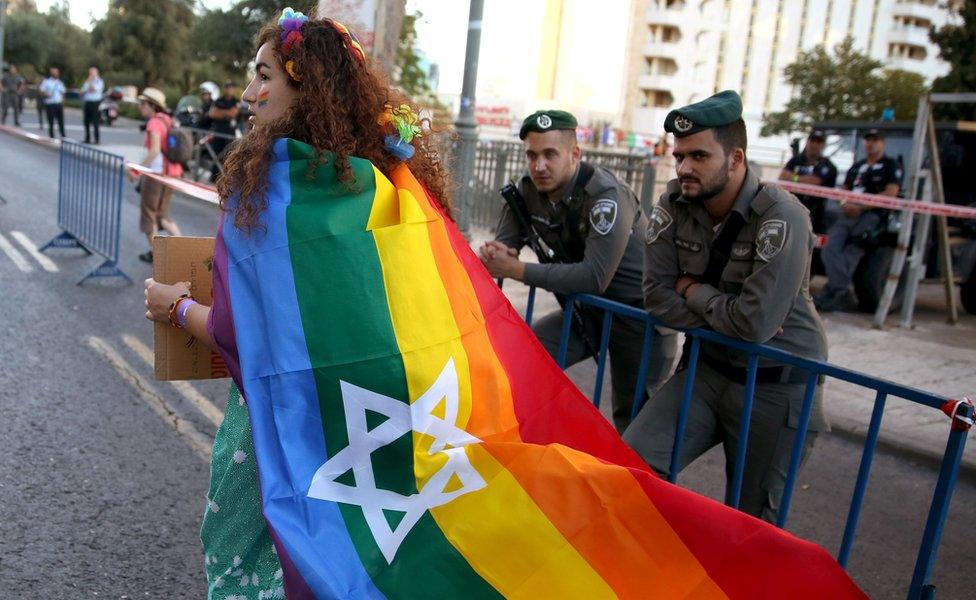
163	145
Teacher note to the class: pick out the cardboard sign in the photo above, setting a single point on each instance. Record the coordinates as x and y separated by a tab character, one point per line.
178	354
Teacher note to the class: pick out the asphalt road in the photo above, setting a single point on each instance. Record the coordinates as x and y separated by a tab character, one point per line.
102	484
124	131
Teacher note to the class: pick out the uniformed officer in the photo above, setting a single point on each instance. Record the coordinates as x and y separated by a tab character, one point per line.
850	237
812	167
594	224
725	252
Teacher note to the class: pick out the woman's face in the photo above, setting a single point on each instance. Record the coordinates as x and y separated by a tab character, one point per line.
145	109
270	93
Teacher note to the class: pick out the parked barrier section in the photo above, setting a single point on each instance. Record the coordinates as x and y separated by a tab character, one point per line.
90	205
961	414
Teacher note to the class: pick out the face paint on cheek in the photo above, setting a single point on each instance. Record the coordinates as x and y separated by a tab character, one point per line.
263	97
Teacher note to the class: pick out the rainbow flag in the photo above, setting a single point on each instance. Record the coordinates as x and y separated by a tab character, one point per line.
414	440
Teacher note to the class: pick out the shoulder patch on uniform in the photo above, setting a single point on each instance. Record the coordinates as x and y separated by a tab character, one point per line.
603	215
659	220
771	239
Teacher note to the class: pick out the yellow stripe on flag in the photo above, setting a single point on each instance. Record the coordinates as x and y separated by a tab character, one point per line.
499	529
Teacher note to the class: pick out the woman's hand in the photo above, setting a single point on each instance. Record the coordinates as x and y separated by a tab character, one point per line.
159	297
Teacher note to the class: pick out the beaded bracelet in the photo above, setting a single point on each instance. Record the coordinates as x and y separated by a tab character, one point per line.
173	307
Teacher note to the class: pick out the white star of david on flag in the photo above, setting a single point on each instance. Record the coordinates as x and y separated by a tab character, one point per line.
449	440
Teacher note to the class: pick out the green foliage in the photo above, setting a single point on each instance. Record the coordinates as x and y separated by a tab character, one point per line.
150	37
409	74
844	85
957	48
35	42
224	39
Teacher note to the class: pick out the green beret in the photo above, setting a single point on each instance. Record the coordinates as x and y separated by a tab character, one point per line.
721	109
542	121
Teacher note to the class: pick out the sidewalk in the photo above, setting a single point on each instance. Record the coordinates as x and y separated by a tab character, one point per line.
934	356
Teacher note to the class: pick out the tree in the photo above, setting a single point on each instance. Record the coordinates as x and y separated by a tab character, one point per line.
149	38
898	90
845	85
409	73
226	37
956	48
37	41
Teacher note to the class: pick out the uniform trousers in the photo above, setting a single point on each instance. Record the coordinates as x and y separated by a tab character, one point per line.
714	417
624	350
55	112
10	101
841	255
91	120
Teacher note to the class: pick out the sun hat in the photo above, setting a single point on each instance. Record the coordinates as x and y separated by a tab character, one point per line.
154	96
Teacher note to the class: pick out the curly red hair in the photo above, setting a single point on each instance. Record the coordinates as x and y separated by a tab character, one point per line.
340	100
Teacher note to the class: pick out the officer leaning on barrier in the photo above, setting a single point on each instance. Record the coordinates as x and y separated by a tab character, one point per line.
723	251
811	166
593	225
854	234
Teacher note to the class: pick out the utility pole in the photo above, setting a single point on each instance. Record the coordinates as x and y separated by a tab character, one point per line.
466	126
3	20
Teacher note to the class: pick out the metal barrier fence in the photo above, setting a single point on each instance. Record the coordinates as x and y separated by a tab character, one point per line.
948	470
498	162
90	205
205	156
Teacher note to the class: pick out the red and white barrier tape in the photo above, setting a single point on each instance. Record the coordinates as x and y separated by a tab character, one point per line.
877	200
951	408
31	137
201	191
190	188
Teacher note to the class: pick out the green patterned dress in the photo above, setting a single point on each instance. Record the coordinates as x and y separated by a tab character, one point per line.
240	558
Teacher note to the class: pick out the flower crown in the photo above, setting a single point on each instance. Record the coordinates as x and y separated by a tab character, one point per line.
292	22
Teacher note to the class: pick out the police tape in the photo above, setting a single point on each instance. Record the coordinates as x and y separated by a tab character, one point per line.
877	200
184	186
31	137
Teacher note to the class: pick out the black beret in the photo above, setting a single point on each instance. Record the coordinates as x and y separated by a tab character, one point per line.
721	109
542	121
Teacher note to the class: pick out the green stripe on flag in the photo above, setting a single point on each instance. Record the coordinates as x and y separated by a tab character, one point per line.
350	337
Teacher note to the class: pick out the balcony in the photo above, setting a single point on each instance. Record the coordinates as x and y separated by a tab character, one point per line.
912	36
649	81
662	49
676	17
904	63
932	13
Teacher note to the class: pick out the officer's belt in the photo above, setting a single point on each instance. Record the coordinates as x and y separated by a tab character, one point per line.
785	374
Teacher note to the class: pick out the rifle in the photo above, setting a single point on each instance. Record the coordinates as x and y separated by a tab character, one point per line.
546	255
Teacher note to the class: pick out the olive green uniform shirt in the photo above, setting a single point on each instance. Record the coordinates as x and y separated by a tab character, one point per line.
764	286
611	225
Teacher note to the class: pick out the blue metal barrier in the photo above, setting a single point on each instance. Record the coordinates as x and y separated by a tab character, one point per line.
948	471
90	205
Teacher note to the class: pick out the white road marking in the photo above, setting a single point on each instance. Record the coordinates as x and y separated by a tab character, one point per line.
31	248
194	438
15	255
203	404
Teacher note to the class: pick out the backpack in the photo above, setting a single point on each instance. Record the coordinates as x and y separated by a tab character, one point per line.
179	145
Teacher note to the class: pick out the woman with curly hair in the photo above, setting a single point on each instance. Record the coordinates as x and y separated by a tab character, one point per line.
319	112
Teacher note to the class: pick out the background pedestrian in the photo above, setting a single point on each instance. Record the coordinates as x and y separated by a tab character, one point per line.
91	94
52	91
